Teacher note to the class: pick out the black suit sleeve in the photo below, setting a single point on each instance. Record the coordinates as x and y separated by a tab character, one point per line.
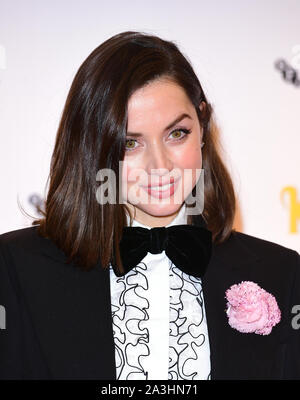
11	325
20	355
292	359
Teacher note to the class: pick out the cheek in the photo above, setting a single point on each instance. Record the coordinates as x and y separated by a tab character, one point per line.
133	175
128	171
190	157
126	168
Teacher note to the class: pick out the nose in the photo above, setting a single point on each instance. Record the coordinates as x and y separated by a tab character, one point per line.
159	158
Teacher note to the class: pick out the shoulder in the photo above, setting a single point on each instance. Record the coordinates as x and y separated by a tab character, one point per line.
257	247
259	255
261	247
19	236
26	244
20	247
24	240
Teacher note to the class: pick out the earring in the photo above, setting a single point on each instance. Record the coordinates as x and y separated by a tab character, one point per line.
202	144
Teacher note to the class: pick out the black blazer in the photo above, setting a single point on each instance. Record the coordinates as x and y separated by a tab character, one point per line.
59	323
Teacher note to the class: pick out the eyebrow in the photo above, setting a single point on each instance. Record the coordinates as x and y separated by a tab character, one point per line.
178	119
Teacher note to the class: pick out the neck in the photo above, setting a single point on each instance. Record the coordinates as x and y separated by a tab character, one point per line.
152	220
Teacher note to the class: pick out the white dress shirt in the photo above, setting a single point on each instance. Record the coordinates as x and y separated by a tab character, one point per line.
159	321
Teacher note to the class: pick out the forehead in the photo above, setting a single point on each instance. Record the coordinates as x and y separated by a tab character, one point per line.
158	102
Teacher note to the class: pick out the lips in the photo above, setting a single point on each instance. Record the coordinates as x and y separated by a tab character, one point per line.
160	185
162	191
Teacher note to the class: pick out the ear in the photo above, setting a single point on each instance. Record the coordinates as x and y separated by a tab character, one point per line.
202	106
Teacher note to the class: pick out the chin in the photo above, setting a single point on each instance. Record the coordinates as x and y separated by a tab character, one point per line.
160	210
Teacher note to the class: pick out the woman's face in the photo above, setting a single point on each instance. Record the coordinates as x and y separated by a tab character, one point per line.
157	153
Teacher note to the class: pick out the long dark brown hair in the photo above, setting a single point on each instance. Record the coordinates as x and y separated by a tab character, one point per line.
92	134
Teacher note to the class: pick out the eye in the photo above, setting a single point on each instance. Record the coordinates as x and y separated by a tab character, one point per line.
129	145
176	131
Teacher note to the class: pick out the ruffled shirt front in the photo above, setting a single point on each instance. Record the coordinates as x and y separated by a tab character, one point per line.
159	323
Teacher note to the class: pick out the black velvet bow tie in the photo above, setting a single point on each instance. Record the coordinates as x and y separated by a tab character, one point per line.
187	246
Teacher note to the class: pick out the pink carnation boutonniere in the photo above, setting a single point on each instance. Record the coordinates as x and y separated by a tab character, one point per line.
251	308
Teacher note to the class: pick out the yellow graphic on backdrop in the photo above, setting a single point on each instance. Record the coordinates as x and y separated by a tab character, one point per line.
294	206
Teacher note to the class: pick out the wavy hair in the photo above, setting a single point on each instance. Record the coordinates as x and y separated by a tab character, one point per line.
92	136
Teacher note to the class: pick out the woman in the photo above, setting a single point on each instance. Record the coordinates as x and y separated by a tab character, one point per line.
149	282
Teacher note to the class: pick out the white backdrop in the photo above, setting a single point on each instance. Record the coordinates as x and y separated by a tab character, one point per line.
233	46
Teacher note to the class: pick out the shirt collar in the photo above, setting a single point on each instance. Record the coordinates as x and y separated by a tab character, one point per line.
180	219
